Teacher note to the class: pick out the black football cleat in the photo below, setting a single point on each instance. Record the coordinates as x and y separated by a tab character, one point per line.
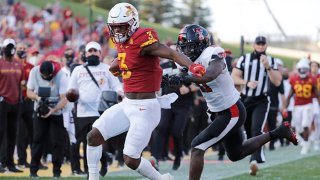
176	163
284	131
34	176
14	169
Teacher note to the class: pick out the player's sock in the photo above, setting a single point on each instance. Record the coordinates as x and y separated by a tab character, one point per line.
93	158
147	170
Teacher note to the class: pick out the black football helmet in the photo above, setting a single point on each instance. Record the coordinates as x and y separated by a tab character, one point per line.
192	40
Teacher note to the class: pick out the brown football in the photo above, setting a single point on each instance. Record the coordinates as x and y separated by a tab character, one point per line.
72	95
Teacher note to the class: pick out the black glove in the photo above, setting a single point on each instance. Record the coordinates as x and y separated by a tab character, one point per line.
165	81
175	81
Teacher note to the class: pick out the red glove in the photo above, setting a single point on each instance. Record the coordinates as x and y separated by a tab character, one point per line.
284	113
197	70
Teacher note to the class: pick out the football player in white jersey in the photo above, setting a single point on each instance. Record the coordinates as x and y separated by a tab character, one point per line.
227	111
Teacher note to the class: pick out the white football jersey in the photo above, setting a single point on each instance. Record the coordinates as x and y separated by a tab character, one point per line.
220	93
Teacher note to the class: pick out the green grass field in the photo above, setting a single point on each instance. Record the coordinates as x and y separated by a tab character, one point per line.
307	168
304	169
72	178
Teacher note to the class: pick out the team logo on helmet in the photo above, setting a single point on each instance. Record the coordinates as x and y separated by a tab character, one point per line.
130	11
199	31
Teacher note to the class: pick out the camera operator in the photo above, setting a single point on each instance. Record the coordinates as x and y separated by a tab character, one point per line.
47	87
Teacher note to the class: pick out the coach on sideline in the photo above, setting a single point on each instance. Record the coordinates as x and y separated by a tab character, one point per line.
254	71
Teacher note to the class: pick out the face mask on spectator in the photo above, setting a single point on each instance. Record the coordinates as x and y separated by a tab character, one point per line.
33	60
93	60
47	78
22	54
69	58
9	50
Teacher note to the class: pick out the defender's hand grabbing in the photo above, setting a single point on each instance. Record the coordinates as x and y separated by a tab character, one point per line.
197	70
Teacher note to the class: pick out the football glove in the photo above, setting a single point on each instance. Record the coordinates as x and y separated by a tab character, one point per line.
197	70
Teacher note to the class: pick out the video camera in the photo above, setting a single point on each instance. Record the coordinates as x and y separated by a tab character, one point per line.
44	103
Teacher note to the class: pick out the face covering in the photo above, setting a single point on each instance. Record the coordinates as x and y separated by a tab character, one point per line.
48	78
33	60
258	54
69	59
22	54
93	60
9	50
285	77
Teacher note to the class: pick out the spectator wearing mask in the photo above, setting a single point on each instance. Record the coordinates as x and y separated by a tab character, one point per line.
11	74
47	86
68	61
34	56
25	124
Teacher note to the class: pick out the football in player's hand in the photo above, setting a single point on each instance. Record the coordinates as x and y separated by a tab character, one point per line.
114	65
72	95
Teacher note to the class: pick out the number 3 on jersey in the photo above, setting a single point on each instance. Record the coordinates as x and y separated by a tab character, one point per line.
125	71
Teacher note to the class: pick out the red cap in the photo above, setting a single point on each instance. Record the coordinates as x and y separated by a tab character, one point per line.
33	50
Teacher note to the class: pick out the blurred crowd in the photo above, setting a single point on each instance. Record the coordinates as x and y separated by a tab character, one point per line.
51	29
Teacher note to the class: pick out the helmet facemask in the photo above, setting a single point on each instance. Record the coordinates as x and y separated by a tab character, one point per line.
119	37
303	67
192	50
303	72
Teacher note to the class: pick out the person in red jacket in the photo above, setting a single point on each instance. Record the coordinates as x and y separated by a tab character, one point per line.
11	74
25	129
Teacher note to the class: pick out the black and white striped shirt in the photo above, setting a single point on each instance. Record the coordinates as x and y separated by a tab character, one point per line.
253	70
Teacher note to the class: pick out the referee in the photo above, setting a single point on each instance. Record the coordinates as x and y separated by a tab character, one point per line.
254	71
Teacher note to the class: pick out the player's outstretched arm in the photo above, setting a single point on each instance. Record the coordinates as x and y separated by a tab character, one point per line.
214	69
163	51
